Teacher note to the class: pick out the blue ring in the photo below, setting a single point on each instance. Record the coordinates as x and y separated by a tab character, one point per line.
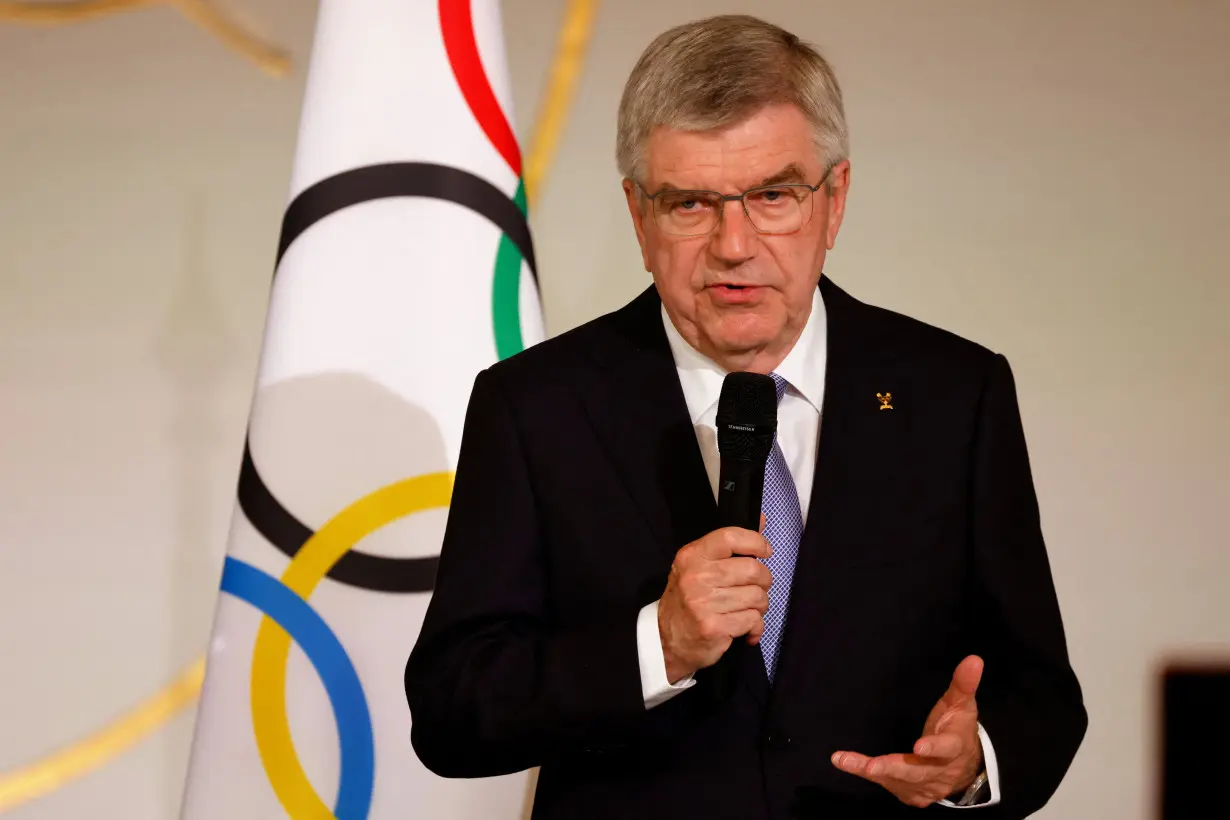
337	673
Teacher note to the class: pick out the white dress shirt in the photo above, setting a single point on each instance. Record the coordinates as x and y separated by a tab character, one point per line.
798	433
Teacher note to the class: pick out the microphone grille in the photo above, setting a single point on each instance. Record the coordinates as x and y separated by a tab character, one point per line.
747	415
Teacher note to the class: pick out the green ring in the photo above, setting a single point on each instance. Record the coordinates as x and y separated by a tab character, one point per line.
506	291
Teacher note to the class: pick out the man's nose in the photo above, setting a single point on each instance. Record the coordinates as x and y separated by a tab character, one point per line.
734	240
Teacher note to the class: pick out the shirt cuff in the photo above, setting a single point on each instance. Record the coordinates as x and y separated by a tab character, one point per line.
655	688
992	767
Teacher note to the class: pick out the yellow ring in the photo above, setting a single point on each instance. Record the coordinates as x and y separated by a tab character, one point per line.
269	656
49	773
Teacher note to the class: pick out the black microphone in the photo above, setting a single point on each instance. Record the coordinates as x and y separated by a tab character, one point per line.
746	423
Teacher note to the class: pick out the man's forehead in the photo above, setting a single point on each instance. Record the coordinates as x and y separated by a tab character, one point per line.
759	149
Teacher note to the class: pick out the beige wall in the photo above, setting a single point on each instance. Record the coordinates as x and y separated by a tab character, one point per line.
1047	178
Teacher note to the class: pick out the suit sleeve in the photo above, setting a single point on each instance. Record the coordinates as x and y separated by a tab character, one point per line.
493	683
1029	700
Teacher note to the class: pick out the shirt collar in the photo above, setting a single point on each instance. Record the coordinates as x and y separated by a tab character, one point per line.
803	367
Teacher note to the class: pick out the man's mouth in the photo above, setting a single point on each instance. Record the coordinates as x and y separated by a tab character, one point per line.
735	293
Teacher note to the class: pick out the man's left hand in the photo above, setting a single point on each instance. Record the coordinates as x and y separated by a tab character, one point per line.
946	759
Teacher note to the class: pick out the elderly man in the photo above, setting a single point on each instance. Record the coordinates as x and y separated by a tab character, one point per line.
890	640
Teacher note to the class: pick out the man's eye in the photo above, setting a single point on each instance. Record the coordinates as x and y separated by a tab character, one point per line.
687	204
773	196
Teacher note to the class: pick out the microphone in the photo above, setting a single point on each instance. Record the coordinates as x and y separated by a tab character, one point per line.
746	423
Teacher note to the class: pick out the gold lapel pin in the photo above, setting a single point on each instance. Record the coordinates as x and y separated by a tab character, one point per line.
885	400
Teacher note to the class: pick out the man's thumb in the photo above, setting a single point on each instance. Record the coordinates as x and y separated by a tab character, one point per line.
965	681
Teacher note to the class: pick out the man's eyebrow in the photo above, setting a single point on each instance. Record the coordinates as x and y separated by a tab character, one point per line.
670	186
792	173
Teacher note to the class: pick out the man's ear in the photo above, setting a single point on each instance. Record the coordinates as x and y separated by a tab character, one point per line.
633	196
836	190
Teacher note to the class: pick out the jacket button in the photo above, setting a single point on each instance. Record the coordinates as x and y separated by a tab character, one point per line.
777	740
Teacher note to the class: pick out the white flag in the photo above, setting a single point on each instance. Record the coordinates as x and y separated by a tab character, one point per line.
404	268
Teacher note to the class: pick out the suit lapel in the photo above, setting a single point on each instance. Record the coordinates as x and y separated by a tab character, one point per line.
637	409
858	439
859	450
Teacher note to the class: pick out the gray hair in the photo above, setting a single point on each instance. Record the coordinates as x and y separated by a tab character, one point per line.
716	72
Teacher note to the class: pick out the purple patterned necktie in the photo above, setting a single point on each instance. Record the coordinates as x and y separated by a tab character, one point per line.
783	529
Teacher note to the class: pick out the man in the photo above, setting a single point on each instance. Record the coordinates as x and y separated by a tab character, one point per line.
891	641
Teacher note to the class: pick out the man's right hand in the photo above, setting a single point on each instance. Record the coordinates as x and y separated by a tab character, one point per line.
716	592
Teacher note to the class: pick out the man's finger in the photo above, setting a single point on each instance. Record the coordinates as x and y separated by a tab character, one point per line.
741	571
885	768
852	762
729	541
965	682
757	632
736	599
902	768
942	747
747	622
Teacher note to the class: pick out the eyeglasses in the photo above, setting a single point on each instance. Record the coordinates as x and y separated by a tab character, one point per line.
772	209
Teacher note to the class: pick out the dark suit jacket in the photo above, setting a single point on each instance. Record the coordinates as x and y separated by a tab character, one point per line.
580	477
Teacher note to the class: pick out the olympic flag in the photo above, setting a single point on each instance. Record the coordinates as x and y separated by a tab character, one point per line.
404	267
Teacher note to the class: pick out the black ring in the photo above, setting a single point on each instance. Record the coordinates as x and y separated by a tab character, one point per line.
425	179
332	194
357	569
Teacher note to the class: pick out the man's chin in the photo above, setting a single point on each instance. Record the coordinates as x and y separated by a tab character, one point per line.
738	344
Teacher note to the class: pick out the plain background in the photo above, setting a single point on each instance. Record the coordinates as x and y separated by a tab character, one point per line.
1048	178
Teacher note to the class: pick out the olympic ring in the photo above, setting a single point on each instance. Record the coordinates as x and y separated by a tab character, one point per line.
395	179
461	46
377	573
295	618
269	656
506	291
424	179
457	31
